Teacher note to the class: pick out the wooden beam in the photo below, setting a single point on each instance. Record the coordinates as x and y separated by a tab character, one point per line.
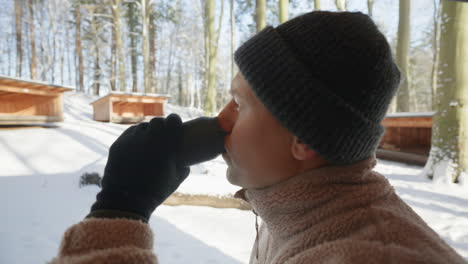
407	122
408	158
6	88
137	100
27	120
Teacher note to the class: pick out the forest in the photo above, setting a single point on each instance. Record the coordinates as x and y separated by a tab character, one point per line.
184	49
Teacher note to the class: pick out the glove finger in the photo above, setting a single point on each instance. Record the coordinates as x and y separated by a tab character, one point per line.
174	135
173	121
156	124
183	173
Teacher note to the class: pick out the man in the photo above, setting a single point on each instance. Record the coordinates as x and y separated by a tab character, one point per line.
303	126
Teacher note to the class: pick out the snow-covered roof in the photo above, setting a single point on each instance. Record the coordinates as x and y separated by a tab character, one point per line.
139	94
411	114
36	82
123	94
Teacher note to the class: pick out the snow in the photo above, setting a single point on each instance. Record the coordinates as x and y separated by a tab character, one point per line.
39	176
411	114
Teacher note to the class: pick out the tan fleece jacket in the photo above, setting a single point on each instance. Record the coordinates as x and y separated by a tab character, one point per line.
347	214
329	215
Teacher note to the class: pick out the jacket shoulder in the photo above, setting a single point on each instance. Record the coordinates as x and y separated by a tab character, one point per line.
366	252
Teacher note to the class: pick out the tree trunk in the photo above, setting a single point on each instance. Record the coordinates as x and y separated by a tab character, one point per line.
113	78
152	51
448	159
61	59
370	7
402	56
435	50
232	20
169	64
96	54
341	5
97	72
145	40
9	56
79	51
213	39
260	14
283	10
19	50
317	5
210	100
33	40
180	86
69	53
132	24
54	56
116	14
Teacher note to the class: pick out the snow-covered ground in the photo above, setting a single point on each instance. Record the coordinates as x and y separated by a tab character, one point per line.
39	175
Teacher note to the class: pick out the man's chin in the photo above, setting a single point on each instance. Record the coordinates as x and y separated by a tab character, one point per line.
230	176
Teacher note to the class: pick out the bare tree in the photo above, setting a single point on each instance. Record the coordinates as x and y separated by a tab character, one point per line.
145	14
316	4
152	51
370	7
260	14
449	152
435	47
283	10
132	21
116	17
402	57
233	24
340	5
33	40
19	50
213	40
78	48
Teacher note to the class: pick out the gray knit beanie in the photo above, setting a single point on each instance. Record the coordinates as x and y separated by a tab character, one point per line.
328	77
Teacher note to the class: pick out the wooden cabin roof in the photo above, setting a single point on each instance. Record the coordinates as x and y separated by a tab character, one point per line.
16	85
133	97
409	119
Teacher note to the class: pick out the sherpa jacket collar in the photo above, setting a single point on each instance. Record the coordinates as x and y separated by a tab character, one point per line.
285	207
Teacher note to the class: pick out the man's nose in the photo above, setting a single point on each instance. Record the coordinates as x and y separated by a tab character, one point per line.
226	117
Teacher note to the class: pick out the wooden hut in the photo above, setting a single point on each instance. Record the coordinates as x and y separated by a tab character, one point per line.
128	107
25	102
407	137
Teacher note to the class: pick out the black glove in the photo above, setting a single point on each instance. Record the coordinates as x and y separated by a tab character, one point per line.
142	170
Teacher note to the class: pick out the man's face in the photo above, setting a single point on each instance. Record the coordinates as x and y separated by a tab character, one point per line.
258	148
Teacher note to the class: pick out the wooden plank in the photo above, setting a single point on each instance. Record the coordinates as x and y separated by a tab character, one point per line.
153	109
28	120
408	158
101	111
128	120
134	95
136	100
30	105
6	88
32	84
407	122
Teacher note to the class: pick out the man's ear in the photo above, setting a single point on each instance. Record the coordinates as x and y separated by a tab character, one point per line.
301	151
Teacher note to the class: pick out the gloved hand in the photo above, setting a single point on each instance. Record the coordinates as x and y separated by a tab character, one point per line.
142	170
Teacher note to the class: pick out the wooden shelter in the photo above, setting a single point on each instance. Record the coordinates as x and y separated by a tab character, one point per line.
25	102
128	107
407	137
